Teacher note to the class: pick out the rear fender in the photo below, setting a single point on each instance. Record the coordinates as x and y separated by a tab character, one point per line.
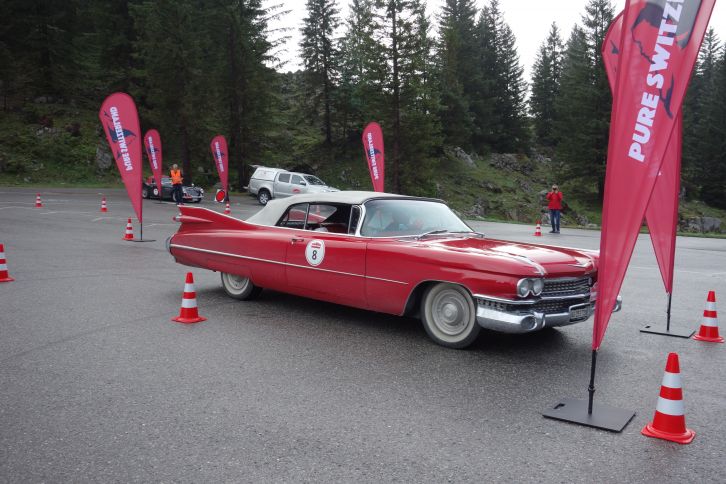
195	219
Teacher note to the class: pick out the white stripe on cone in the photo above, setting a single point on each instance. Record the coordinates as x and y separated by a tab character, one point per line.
189	303
674	408
710	306
672	380
713	322
3	267
188	287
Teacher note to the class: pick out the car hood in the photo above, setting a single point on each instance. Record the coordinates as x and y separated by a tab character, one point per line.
548	260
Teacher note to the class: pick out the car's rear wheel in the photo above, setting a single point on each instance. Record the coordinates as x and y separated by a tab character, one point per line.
144	192
263	196
449	315
239	287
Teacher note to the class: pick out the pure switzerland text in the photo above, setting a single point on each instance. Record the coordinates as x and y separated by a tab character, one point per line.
649	101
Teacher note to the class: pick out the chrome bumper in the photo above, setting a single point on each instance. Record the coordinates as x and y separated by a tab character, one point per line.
526	322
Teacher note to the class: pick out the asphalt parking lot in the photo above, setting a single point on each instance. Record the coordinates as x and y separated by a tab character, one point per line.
98	385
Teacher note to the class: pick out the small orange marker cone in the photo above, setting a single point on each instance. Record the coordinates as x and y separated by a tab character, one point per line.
129	235
104	209
4	276
538	230
709	326
669	421
189	313
38	202
227	210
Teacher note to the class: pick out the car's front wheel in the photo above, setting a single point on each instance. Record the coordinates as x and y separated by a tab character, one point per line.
263	196
449	315
144	192
239	287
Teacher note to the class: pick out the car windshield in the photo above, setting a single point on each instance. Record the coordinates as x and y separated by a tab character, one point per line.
395	218
313	180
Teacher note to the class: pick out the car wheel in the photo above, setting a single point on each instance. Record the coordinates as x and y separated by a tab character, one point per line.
145	192
263	196
239	287
449	315
155	191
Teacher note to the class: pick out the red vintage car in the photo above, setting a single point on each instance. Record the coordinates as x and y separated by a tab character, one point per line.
392	254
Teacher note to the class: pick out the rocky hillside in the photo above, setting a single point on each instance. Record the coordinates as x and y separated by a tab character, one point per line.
52	143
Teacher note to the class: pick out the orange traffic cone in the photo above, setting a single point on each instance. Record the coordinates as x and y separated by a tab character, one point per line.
227	210
669	421
189	313
103	205
4	276
709	326
129	235
38	202
538	230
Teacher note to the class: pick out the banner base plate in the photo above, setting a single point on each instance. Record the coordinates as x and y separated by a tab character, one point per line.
602	417
673	332
143	240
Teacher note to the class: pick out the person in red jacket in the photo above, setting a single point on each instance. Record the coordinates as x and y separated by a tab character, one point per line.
555	207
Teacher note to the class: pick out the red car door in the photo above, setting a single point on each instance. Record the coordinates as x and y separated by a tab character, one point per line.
326	264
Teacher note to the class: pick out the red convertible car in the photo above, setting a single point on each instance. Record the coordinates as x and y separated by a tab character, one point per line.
393	254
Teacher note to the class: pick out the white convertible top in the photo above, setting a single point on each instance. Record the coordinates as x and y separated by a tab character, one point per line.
276	208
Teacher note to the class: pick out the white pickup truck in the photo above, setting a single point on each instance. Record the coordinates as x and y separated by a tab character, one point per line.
268	183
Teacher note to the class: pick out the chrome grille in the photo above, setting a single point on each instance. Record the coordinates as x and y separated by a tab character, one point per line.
556	307
566	287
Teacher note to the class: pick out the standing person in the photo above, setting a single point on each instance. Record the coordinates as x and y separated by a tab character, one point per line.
176	182
555	207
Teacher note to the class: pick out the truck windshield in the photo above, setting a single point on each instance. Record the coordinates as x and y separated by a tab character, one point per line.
313	180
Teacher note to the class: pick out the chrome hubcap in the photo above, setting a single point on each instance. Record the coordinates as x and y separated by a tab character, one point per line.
236	283
451	313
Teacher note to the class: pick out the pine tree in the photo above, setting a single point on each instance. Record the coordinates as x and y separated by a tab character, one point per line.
173	74
711	123
457	73
598	17
408	90
698	98
572	110
584	104
360	94
546	74
319	55
499	107
245	79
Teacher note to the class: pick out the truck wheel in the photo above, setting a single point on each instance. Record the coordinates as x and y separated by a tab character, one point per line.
448	315
239	287
263	196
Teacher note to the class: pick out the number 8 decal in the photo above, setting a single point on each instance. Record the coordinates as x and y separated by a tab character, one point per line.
315	252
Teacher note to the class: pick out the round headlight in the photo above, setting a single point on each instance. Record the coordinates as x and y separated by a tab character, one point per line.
524	286
537	286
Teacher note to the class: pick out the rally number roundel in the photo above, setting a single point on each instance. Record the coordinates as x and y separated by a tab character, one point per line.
315	252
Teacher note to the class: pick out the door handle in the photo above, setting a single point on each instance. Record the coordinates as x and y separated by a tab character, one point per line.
296	239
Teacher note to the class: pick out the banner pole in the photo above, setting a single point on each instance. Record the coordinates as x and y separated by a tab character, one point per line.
142	230
591	387
668	314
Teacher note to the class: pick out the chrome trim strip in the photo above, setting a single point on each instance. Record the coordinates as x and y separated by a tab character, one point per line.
208	251
560	298
566	279
502	300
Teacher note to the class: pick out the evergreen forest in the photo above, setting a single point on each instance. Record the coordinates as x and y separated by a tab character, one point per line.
460	119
